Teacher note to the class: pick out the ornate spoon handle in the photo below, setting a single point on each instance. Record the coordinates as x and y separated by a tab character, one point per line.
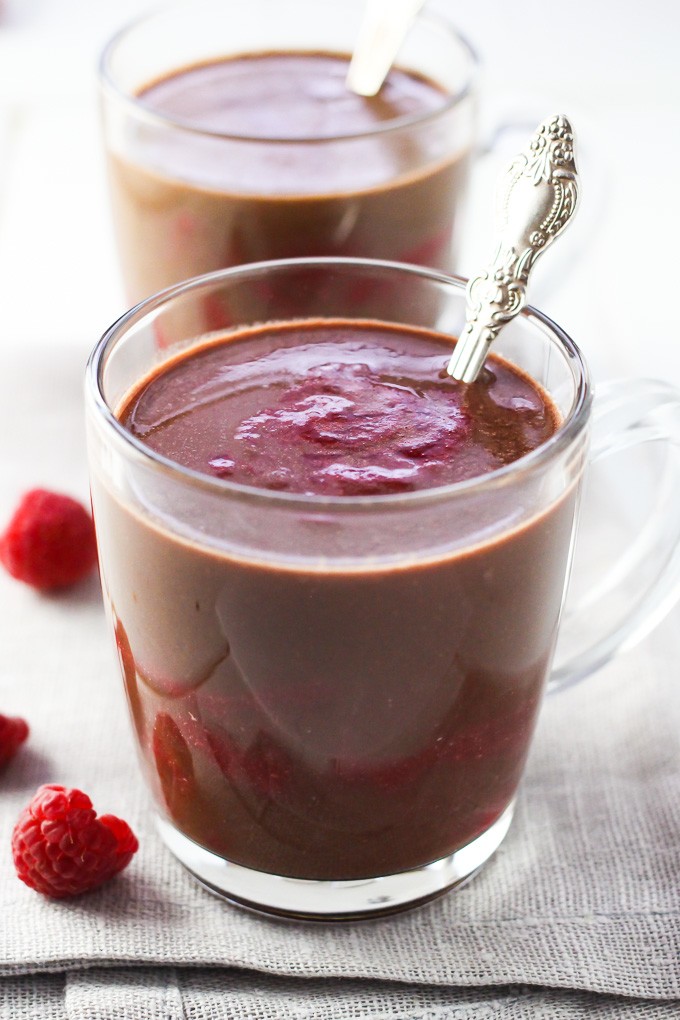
536	199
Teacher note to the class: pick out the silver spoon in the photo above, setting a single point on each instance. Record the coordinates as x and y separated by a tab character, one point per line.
383	28
537	197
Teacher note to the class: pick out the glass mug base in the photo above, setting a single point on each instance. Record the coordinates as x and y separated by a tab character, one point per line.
312	900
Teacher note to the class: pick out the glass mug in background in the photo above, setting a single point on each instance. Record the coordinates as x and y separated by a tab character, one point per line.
334	697
189	198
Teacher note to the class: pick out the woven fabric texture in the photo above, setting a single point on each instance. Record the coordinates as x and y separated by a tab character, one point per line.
577	915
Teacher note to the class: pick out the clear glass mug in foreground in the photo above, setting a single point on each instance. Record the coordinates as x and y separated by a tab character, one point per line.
333	697
191	195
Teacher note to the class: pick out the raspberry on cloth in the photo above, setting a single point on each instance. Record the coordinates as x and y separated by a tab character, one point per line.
49	542
60	847
13	732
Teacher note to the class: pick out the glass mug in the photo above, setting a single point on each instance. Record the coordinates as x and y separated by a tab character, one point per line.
188	200
334	697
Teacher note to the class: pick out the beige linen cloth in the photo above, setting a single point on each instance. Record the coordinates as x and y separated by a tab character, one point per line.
578	914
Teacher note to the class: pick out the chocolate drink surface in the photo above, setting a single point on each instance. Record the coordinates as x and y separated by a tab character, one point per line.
267	171
327	721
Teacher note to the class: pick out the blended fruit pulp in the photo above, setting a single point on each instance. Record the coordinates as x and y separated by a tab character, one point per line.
275	175
316	720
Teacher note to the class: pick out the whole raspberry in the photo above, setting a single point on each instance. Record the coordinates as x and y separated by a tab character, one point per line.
13	732
49	542
60	847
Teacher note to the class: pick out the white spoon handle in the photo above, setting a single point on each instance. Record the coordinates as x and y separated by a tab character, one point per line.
383	28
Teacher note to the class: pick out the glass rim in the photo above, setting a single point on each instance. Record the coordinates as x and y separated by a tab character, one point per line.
534	461
143	112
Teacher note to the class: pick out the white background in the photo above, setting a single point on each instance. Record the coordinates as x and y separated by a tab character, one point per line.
612	281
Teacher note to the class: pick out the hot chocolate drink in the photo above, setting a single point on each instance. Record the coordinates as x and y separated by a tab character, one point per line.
332	718
270	156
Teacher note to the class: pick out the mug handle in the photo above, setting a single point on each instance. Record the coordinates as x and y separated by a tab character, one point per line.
625	574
